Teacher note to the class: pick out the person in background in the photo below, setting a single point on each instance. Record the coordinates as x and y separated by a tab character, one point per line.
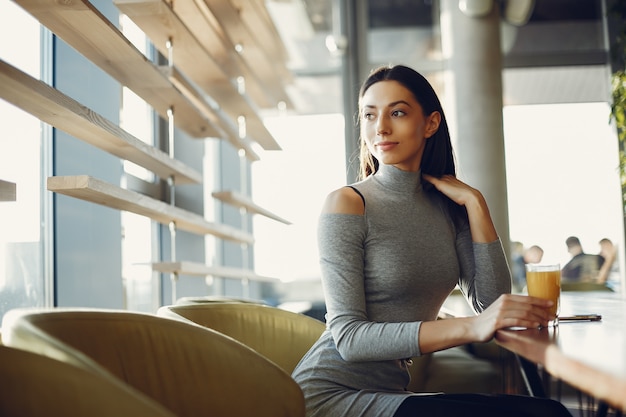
518	266
533	255
519	258
609	271
392	247
582	267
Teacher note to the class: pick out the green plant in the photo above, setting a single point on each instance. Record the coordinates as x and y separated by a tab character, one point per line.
618	113
618	106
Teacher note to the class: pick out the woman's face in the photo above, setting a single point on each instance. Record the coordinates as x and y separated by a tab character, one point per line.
393	125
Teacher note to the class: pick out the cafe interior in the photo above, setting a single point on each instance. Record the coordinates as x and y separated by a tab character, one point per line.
164	164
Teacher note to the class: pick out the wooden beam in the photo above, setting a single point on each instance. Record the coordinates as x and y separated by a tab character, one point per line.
57	109
220	29
163	26
85	29
231	132
97	191
254	14
239	200
195	268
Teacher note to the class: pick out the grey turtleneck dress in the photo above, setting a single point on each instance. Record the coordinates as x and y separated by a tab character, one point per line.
383	273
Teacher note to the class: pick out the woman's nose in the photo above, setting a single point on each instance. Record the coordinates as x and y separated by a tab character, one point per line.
382	127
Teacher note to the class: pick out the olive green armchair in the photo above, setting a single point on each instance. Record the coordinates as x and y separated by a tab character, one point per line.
35	385
188	369
284	337
279	335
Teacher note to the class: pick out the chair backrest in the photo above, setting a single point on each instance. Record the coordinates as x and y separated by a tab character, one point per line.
184	367
279	335
215	299
35	385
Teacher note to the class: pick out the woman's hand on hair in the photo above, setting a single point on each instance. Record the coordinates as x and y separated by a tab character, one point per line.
453	188
481	225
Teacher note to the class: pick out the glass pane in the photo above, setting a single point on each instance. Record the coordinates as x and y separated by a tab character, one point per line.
21	277
563	179
313	155
137	241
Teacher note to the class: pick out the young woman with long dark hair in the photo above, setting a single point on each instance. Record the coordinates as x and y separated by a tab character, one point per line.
392	247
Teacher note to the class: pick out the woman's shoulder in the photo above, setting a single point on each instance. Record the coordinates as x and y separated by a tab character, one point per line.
344	200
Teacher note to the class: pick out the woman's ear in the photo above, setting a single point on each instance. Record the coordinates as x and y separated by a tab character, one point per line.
432	124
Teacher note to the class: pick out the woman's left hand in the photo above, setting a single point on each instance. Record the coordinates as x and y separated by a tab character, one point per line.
453	188
481	225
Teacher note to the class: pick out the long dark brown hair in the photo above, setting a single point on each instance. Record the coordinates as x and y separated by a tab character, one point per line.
438	157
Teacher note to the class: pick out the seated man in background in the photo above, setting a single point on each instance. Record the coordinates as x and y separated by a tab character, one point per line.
609	272
582	266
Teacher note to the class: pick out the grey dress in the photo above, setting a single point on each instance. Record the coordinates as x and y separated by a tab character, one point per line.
384	273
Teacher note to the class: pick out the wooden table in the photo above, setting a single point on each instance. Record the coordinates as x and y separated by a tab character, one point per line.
590	356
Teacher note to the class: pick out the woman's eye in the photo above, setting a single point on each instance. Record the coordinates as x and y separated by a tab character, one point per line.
398	113
368	116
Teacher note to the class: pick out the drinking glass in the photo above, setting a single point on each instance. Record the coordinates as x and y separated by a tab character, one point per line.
544	281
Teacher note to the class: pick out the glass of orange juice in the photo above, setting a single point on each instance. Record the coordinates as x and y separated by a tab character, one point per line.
544	281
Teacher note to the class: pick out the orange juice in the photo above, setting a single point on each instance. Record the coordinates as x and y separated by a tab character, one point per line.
544	281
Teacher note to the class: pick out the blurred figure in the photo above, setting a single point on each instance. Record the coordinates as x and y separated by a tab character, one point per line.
533	255
609	271
518	266
582	266
519	258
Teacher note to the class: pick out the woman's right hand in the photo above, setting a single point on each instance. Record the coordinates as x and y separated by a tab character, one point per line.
511	310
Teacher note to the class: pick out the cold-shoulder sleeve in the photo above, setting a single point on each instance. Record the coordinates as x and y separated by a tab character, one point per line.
341	249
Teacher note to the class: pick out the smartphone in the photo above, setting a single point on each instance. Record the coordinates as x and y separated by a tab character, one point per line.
581	317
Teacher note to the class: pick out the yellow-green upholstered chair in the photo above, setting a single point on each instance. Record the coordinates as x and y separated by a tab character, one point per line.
188	369
215	299
281	336
284	337
35	385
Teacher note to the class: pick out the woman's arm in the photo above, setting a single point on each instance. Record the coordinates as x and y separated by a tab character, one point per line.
485	274
507	311
341	236
485	279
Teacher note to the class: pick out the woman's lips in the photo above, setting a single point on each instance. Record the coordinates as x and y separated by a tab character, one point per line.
385	146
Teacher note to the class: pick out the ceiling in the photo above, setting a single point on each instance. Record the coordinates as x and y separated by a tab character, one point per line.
559	56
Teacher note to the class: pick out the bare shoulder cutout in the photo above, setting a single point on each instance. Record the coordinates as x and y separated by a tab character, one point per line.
345	200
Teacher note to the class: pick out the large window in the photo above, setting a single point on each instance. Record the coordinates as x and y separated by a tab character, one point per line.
563	178
21	222
293	183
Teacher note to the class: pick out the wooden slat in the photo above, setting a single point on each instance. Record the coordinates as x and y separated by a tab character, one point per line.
239	200
231	131
228	29
157	19
254	14
195	268
84	28
65	113
8	191
97	191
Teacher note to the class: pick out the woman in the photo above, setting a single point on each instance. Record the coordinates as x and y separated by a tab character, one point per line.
392	247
